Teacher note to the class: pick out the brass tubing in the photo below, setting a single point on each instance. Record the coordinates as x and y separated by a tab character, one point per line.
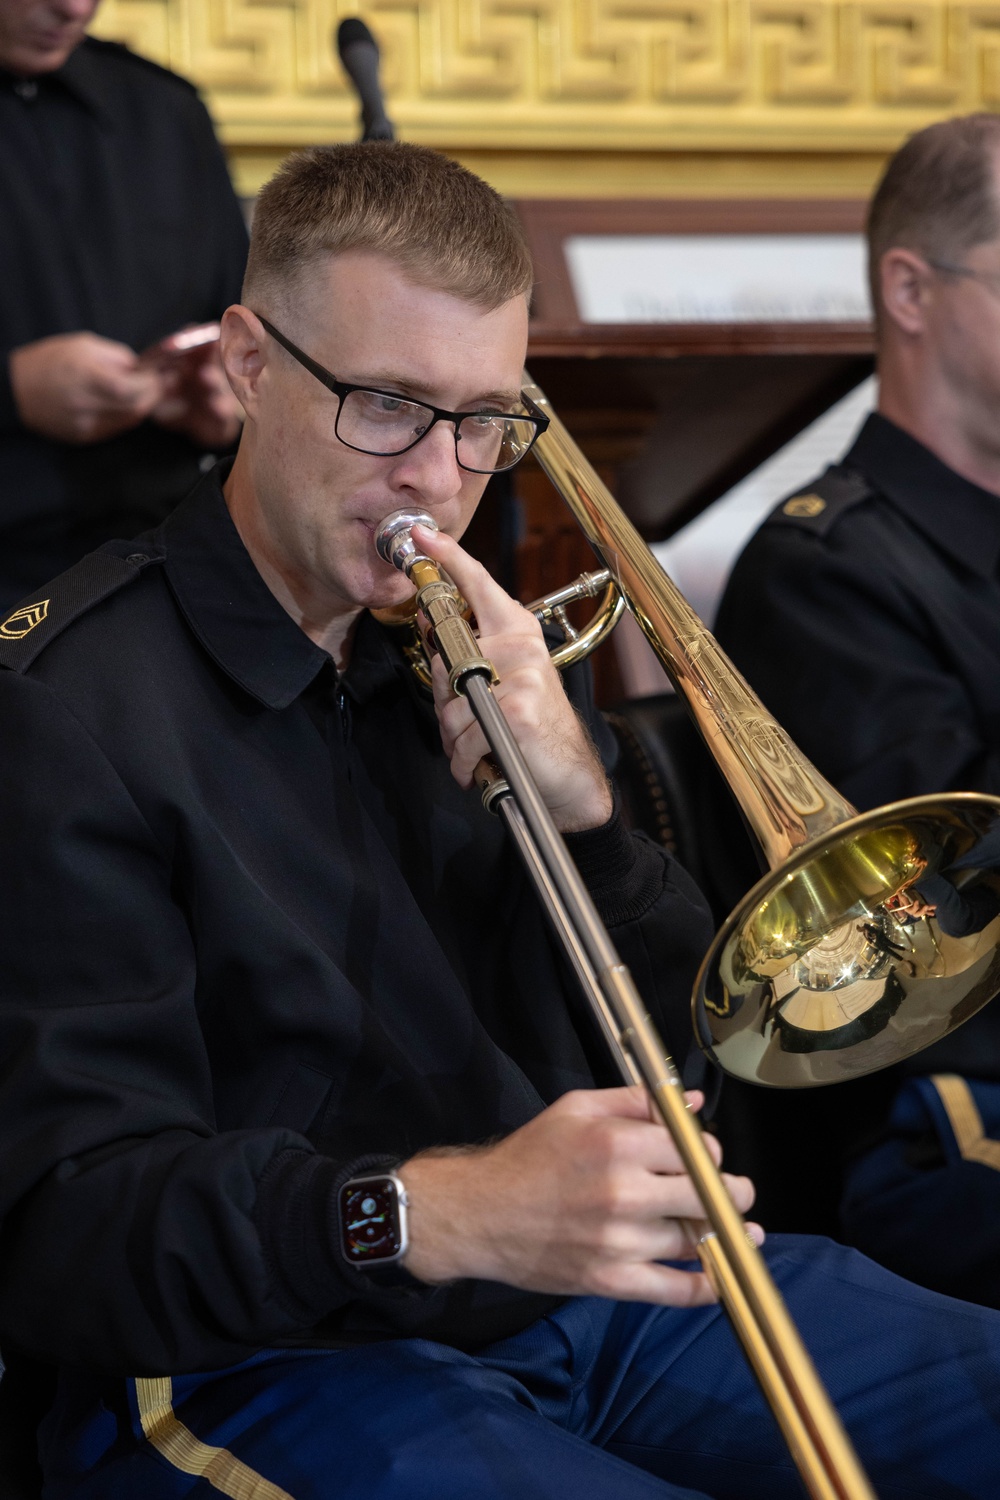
797	1437
837	963
787	803
820	1448
785	799
788	1376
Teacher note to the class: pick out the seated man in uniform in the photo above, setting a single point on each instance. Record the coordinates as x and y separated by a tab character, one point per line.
262	943
866	614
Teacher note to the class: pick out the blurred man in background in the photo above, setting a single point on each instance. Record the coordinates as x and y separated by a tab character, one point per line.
866	613
118	227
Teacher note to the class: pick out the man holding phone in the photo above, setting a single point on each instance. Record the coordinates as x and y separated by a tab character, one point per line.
121	228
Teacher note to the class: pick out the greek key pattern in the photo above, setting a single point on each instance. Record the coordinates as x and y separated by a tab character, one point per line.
633	74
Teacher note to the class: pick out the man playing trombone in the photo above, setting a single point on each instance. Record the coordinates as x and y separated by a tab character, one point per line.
310	1183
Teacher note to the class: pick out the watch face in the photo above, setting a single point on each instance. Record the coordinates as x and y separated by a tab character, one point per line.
369	1216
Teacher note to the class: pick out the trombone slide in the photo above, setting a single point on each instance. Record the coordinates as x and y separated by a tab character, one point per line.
819	1445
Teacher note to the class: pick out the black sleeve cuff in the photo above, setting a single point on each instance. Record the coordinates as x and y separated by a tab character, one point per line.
297	1218
623	871
8	410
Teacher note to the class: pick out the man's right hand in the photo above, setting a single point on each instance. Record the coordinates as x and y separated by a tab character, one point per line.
586	1199
81	388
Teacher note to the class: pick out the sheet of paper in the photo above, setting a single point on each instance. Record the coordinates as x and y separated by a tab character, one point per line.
719	278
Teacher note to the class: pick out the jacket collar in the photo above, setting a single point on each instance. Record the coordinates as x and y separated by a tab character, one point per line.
960	517
239	621
78	76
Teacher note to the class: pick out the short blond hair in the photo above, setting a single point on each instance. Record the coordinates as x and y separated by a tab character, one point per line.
446	228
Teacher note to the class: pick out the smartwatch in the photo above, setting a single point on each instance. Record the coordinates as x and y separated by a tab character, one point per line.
373	1220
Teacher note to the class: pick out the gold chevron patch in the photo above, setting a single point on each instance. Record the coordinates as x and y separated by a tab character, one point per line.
804	505
24	619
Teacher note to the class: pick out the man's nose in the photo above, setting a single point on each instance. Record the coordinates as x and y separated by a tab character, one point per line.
430	468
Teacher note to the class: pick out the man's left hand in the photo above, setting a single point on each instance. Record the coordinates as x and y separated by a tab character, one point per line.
199	402
553	740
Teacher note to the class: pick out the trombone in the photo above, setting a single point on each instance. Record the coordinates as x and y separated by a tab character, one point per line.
870	938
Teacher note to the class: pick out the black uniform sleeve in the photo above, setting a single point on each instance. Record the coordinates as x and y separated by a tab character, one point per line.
840	651
9	418
135	1235
151	1246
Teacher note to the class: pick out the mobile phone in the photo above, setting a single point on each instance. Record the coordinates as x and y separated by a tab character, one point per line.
177	346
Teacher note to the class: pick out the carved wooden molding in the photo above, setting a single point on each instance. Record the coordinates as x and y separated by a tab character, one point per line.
822	75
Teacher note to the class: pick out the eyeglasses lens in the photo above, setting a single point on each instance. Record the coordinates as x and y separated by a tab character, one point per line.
490	443
382	424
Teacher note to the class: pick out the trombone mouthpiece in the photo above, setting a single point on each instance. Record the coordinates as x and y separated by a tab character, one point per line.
394	542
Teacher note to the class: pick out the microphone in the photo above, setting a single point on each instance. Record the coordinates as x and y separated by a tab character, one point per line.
359	54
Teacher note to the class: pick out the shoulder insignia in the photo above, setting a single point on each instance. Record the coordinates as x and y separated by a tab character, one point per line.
29	627
804	505
24	619
819	506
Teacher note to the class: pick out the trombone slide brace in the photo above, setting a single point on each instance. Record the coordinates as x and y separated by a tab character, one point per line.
440	602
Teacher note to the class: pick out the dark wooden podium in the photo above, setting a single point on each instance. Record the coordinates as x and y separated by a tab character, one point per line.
671	415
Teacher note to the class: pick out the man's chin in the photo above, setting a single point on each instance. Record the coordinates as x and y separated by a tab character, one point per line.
372	587
33	62
394	598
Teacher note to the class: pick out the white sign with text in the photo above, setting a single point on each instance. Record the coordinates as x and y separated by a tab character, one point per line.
719	278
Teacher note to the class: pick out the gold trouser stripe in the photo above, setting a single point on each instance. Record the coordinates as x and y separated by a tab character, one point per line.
180	1447
966	1121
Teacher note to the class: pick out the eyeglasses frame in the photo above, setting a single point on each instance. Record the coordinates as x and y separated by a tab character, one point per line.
985	277
341	389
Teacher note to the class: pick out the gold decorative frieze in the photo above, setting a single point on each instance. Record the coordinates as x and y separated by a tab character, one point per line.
584	75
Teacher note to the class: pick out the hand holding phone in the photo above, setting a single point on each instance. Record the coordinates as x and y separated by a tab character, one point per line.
197	399
82	388
178	347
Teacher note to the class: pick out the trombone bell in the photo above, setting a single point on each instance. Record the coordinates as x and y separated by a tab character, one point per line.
865	946
873	935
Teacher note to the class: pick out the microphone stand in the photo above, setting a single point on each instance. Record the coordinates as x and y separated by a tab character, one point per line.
359	55
809	1422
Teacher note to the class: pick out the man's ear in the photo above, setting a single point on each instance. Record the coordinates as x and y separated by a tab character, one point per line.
242	341
905	281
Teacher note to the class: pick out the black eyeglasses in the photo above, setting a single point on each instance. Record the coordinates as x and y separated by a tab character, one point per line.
384	423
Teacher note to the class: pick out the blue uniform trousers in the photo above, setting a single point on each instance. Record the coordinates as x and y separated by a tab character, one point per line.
599	1401
926	1200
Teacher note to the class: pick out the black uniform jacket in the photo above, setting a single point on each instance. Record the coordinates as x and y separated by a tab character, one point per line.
255	937
117	217
866	614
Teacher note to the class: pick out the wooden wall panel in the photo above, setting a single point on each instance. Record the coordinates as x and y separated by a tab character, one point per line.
632	75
